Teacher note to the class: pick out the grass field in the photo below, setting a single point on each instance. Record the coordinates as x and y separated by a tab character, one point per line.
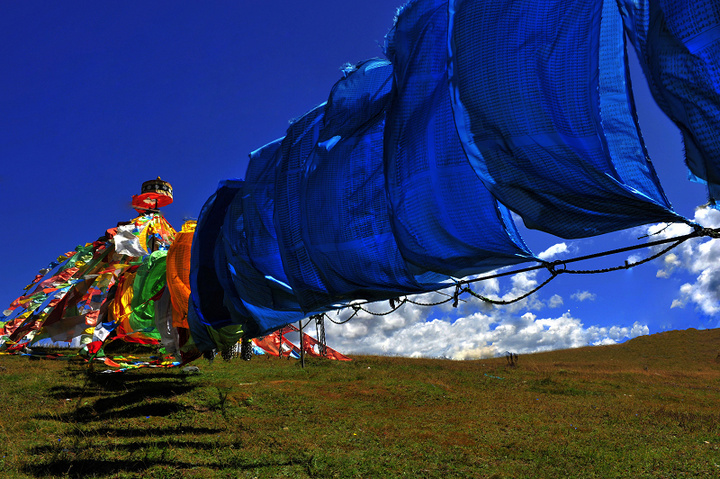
647	408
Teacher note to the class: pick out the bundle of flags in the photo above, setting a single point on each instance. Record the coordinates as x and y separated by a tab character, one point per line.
130	286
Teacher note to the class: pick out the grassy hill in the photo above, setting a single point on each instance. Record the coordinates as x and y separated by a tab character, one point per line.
646	408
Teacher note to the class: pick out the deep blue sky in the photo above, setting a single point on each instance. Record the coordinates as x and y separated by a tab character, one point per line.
97	97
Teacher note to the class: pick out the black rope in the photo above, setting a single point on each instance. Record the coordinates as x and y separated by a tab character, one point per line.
626	265
555	268
344	321
698	232
510	301
437	303
667	225
393	308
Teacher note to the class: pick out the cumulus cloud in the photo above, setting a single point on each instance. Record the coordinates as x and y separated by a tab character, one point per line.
477	335
583	296
522	283
475	329
699	257
555	301
553	251
676	303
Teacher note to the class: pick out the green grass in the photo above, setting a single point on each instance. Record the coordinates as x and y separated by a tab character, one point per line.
644	409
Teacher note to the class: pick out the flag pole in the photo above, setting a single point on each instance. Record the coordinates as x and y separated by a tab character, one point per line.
302	346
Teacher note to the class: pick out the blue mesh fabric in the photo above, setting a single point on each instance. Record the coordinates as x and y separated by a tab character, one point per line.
198	329
206	290
371	195
259	211
617	113
528	81
443	216
238	313
359	97
303	277
346	222
678	44
259	303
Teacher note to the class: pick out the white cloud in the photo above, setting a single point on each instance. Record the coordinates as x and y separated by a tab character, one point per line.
521	284
638	330
555	301
477	335
583	296
634	258
699	257
553	251
676	303
481	329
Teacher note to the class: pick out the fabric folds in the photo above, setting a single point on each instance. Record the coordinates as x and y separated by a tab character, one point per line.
530	83
443	216
410	174
678	44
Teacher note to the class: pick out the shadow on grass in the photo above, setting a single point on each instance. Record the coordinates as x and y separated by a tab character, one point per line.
139	398
156	432
82	450
104	468
108	411
146	445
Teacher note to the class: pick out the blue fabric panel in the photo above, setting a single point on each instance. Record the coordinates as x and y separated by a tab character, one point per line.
198	329
257	302
206	291
346	223
303	277
528	80
678	44
238	313
357	98
259	211
617	110
443	216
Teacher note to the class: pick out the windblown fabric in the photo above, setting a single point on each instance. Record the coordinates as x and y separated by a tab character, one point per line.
216	320
276	344
344	223
315	349
169	337
98	294
678	44
258	203
331	231
303	276
255	280
121	307
148	286
227	290
407	176
207	297
542	107
443	216
250	292
178	273
138	236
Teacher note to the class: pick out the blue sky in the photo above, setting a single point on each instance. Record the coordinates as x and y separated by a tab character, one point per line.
98	97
